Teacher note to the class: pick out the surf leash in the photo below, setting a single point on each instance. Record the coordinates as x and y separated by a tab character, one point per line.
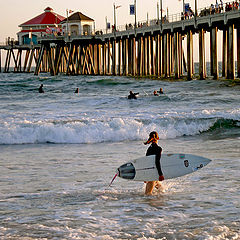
113	179
145	93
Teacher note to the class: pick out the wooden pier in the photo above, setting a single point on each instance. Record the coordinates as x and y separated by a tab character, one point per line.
154	51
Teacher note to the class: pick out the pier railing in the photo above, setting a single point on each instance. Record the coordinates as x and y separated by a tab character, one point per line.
201	12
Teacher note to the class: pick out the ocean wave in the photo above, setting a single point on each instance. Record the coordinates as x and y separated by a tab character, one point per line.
87	130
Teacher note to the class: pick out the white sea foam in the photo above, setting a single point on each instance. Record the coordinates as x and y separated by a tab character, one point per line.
107	129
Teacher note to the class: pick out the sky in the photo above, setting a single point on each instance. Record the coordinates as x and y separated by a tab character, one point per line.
15	12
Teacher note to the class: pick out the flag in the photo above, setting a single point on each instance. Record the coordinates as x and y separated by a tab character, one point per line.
132	9
186	7
108	25
118	6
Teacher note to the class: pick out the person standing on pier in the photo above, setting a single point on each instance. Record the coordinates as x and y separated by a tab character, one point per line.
40	89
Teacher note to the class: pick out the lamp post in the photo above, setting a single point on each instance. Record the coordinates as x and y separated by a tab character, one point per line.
161	11
114	13
67	23
135	8
196	8
106	25
183	9
114	16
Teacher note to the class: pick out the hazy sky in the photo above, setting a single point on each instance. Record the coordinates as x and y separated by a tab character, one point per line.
15	12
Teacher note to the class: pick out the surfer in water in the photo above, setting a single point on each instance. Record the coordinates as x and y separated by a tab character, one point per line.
160	91
154	149
132	95
40	89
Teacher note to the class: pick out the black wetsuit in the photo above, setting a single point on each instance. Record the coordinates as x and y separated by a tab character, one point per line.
132	95
40	90
154	149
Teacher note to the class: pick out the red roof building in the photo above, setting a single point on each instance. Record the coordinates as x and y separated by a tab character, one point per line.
47	22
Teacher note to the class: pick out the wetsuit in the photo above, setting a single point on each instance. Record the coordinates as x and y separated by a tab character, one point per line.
154	149
40	90
132	95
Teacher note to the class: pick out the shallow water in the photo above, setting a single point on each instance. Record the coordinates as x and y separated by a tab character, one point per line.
60	150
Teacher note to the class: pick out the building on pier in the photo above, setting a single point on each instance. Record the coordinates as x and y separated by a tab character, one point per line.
39	26
78	24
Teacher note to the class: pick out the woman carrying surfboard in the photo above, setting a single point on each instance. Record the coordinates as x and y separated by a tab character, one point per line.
154	149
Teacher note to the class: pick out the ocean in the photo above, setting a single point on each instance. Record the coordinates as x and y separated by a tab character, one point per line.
60	150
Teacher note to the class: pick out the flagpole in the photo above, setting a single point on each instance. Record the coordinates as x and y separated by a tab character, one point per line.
183	9
106	24
161	11
135	13
195	8
114	15
67	23
158	12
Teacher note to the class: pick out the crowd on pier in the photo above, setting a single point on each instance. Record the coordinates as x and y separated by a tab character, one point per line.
219	8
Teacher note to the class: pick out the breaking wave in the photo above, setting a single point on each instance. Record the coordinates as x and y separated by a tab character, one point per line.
87	130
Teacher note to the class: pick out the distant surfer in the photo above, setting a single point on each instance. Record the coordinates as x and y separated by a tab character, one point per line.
77	90
154	149
40	89
155	93
160	91
132	95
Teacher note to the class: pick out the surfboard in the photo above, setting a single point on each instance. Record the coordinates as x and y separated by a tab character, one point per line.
172	165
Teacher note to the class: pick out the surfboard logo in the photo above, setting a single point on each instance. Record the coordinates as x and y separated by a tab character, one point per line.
181	156
186	163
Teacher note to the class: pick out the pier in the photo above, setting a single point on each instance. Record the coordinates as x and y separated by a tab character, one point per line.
153	50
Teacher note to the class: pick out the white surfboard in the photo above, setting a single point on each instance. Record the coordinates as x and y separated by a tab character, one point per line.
172	165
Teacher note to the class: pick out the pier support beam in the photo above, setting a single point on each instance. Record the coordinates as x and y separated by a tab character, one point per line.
139	57
224	53
157	55
230	58
180	54
133	56
238	52
190	55
109	57
202	61
119	58
104	65
166	56
124	57
145	56
214	51
129	55
114	57
176	55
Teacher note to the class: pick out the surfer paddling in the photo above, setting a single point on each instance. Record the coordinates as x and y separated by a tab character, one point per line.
40	89
154	149
132	95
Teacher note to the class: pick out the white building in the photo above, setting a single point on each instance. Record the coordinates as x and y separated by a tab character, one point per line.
78	24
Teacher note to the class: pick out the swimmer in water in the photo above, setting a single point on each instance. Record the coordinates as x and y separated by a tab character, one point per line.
132	95
40	89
